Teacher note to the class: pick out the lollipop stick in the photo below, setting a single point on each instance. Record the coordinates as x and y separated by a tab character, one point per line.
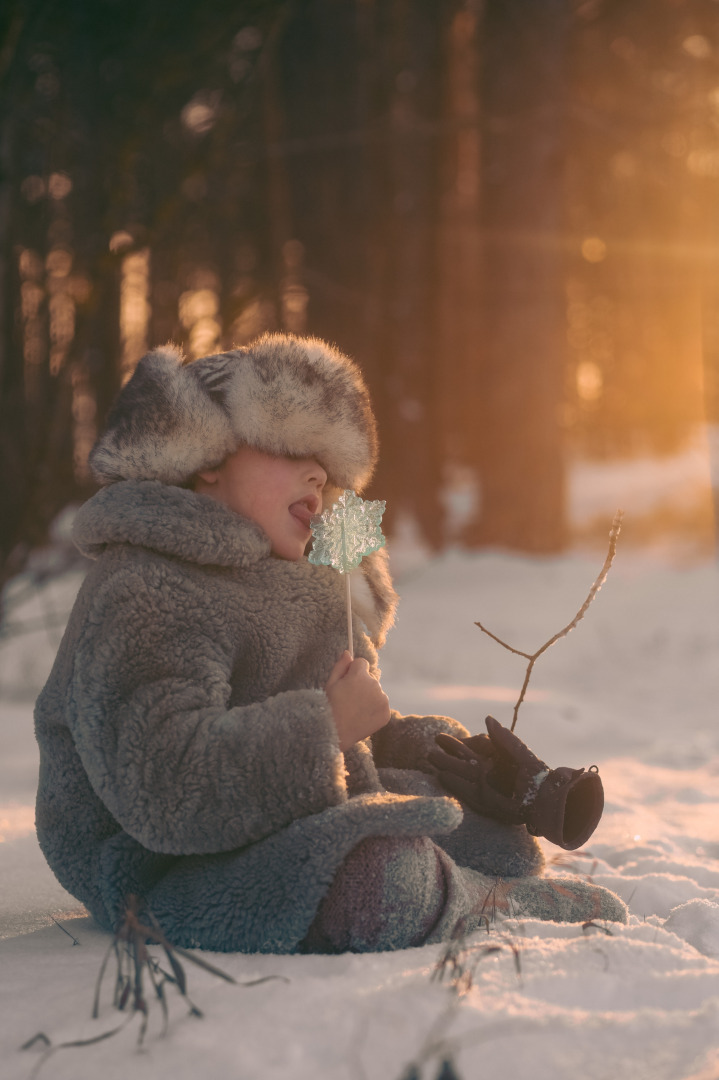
349	616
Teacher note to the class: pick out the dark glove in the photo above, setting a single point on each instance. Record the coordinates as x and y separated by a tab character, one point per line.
498	776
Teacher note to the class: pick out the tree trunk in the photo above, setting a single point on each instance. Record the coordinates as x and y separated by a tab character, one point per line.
461	329
523	350
409	338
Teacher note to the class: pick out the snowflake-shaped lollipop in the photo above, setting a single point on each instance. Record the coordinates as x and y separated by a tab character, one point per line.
347	532
342	538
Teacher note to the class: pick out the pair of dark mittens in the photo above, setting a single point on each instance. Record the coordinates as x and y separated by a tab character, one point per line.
498	776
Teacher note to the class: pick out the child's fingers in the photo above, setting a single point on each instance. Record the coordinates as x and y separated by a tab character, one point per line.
359	669
340	669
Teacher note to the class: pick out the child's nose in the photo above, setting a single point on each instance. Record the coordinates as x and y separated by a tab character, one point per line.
316	474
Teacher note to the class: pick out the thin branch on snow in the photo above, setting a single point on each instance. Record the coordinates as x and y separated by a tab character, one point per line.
64	930
133	959
533	657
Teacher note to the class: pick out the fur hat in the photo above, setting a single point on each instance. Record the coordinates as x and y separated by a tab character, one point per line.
282	394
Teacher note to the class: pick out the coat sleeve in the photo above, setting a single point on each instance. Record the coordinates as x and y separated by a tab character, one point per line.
181	771
405	741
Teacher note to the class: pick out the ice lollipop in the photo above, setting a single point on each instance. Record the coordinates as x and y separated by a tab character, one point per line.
344	535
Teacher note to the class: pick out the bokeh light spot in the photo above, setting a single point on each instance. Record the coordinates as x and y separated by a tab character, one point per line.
697	46
59	185
590	381
58	262
197	304
704	163
120	241
594	250
200	113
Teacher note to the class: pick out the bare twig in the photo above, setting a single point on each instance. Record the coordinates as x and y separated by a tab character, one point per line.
130	947
64	930
591	925
50	1049
41	1037
533	657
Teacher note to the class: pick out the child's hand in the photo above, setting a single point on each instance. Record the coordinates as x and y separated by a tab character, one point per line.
359	704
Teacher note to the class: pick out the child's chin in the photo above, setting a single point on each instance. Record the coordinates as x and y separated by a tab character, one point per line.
289	552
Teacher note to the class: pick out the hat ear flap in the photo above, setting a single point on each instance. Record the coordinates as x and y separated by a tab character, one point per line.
163	426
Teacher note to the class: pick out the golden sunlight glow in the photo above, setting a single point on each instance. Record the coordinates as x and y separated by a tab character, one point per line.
257	316
624	165
594	250
590	380
61	306
120	240
200	114
204	337
294	295
199	313
196	304
675	144
704	163
62	328
453	692
84	428
134	309
32	294
16	821
59	262
697	46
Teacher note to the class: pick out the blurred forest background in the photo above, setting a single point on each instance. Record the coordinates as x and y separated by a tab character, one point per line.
505	210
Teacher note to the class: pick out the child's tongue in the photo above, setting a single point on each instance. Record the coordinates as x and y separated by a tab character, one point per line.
302	512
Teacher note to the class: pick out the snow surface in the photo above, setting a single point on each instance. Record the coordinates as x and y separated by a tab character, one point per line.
633	689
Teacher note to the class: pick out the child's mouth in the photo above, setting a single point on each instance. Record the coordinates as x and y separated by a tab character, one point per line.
304	509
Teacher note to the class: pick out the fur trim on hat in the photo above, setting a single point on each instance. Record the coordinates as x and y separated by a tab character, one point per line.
282	394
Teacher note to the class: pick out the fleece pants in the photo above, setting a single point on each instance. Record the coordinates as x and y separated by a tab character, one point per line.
394	893
387	891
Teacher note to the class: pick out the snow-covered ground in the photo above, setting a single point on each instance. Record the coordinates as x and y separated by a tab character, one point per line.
633	689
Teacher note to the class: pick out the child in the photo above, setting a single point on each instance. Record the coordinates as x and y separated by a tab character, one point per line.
205	741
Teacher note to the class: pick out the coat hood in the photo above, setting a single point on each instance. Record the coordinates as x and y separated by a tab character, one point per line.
169	520
181	524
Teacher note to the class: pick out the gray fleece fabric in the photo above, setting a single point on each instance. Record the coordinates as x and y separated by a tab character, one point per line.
393	893
187	748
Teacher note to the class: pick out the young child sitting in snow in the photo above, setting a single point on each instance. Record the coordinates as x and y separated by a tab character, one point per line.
206	741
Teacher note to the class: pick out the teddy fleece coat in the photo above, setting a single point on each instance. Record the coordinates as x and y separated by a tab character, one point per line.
188	751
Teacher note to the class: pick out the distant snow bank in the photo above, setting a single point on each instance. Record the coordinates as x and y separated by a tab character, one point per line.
642	483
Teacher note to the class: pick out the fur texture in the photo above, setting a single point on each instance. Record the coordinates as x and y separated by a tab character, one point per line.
282	394
187	748
393	893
